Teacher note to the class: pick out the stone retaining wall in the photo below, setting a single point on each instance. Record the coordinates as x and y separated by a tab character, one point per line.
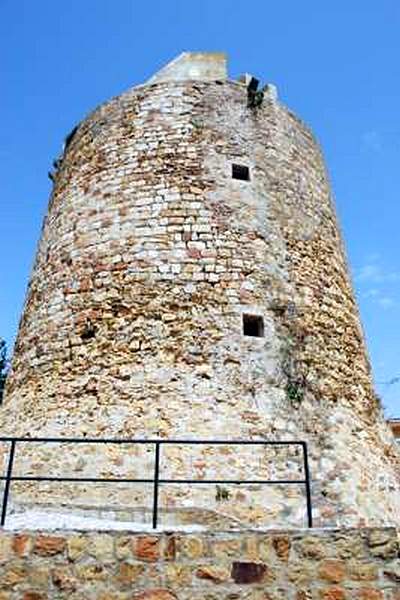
275	565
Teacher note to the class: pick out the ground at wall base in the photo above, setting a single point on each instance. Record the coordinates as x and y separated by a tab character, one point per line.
336	564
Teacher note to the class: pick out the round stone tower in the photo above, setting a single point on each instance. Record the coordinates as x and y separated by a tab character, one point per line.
191	283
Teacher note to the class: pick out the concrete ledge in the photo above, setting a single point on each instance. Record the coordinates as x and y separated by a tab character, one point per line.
197	66
337	564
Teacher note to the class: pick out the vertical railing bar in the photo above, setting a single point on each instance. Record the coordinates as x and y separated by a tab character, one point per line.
7	483
156	481
308	485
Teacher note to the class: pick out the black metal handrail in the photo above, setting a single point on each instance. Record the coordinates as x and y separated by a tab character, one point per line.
155	480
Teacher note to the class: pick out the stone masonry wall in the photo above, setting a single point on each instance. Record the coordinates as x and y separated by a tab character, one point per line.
150	255
300	565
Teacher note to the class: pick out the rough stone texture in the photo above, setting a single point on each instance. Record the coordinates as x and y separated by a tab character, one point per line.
149	257
222	570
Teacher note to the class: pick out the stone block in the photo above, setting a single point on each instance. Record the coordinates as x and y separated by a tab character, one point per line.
101	547
332	570
369	594
154	594
49	545
333	593
129	573
76	547
147	548
63	579
22	544
6	548
214	573
248	572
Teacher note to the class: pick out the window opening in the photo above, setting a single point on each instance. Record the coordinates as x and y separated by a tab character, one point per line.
253	325
240	172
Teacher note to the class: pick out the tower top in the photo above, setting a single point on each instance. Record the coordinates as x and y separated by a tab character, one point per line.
204	66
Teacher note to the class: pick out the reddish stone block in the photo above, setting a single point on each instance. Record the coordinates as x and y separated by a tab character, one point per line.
332	570
147	548
48	545
248	572
21	545
333	594
193	253
213	573
170	548
34	596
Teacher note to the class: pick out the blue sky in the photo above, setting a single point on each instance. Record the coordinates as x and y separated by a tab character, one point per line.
336	64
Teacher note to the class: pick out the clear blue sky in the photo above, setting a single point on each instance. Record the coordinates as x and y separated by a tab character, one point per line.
336	64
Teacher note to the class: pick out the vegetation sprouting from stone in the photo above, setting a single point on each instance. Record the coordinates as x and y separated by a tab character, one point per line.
222	494
3	367
295	380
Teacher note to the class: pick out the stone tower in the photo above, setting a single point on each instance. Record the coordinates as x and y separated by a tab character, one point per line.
191	282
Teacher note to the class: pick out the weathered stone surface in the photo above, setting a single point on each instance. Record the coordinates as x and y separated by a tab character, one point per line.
207	566
91	572
101	547
333	571
124	547
362	571
333	593
382	544
6	548
147	548
213	573
40	574
281	545
369	594
169	550
224	548
77	545
13	575
393	572
152	259
128	573
248	572
178	575
64	580
22	545
155	594
190	546
48	545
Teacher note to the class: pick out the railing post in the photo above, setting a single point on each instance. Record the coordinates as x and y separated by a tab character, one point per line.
308	484
7	483
156	478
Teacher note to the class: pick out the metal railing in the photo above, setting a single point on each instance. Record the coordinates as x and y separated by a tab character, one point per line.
156	480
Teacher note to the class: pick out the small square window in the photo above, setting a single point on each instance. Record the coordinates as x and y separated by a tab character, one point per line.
240	172
253	325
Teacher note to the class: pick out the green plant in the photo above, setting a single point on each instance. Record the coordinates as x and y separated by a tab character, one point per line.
295	380
294	391
222	494
197	124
